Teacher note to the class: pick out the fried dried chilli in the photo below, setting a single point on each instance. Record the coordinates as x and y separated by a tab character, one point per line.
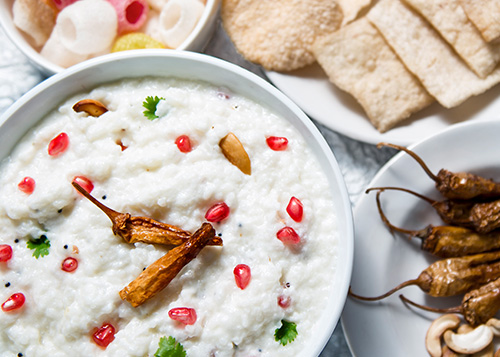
452	276
477	307
159	274
135	229
460	185
447	241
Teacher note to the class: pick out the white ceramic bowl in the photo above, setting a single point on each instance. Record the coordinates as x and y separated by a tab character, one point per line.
45	97
196	41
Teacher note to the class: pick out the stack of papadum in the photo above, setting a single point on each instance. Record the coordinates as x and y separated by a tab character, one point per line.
394	56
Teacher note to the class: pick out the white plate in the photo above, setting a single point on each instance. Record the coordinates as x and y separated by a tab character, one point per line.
339	111
382	261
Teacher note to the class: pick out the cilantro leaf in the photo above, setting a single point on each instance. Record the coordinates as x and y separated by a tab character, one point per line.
286	333
150	104
40	246
169	347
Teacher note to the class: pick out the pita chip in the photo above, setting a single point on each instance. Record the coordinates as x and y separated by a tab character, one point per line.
424	52
279	34
450	20
358	60
485	14
351	9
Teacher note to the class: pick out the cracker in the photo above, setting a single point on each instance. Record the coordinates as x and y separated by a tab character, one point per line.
485	14
279	34
445	76
358	60
450	20
35	18
351	8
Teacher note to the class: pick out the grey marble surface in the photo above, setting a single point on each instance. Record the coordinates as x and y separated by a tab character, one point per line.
358	161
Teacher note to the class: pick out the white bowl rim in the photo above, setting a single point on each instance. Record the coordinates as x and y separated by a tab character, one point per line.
49	68
331	316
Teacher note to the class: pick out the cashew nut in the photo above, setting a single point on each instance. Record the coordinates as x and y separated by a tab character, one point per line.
91	107
470	342
436	330
494	324
233	150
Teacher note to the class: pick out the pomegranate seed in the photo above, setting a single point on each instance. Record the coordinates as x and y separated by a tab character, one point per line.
277	143
14	302
69	264
295	209
284	301
59	144
288	235
242	275
27	185
5	252
183	143
104	335
185	315
217	212
86	184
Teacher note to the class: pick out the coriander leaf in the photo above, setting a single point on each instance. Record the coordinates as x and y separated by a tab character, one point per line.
169	347
40	246
286	333
150	104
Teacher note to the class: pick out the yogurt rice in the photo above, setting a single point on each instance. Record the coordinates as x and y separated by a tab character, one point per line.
135	166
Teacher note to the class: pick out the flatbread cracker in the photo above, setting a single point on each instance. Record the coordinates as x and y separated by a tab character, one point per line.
445	76
351	9
485	14
450	20
358	60
279	34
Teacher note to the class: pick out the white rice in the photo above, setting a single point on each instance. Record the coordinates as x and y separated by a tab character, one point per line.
153	178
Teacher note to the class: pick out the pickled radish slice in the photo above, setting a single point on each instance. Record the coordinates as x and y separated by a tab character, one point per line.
131	14
135	41
77	23
177	20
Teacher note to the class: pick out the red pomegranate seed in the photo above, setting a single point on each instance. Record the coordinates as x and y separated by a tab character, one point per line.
183	143
86	184
277	143
288	235
185	315
104	335
295	209
242	275
69	264
217	212
5	252
27	185
59	144
284	301
14	302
